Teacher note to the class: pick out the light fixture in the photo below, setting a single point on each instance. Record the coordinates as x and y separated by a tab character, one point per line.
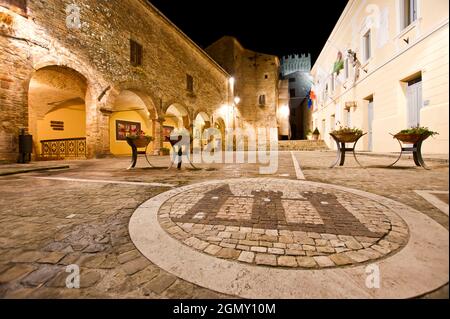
232	80
284	111
237	100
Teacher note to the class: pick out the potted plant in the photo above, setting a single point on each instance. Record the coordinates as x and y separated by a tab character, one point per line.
316	134
309	134
140	140
347	134
414	135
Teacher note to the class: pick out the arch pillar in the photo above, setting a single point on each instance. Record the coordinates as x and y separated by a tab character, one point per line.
97	127
157	135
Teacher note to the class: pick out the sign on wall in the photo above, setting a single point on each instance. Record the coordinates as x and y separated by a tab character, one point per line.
57	125
126	128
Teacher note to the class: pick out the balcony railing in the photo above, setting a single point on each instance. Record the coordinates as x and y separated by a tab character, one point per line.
64	148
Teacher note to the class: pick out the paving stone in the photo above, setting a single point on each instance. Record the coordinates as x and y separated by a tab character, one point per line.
306	262
52	258
28	257
228	253
15	272
258	249
163	281
41	275
266	259
341	259
246	256
89	278
135	265
128	256
212	249
145	275
324	261
276	251
287	261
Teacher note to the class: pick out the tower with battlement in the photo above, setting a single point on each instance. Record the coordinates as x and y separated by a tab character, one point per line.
295	63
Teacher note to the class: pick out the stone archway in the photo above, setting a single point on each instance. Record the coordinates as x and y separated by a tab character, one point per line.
220	125
57	119
201	123
132	111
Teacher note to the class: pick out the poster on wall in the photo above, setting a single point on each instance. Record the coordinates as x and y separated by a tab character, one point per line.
125	128
167	130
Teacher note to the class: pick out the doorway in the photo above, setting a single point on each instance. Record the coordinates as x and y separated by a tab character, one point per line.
414	102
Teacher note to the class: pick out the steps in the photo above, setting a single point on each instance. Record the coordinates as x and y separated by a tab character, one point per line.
304	145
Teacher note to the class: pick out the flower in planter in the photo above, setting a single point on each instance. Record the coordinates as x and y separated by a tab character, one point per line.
418	131
347	130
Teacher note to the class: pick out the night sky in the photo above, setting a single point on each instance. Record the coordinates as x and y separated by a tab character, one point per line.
275	27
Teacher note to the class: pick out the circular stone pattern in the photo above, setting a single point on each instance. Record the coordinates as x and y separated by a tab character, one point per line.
283	223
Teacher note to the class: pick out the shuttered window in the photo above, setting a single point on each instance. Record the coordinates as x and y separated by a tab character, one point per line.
135	53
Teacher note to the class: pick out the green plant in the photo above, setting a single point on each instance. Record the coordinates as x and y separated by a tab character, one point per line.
309	132
419	131
316	131
141	134
347	130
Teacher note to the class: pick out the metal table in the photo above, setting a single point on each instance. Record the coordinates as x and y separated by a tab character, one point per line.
136	152
342	149
416	150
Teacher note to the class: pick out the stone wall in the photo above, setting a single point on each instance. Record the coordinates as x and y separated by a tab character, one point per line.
100	51
256	74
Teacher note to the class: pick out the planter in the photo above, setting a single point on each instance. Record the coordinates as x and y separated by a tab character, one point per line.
140	142
411	138
347	137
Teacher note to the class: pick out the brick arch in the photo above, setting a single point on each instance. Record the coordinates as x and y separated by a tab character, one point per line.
147	99
187	119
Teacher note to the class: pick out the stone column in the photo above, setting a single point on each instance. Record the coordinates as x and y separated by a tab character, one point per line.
97	128
157	135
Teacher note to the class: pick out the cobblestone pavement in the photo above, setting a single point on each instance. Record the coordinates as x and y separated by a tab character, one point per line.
52	219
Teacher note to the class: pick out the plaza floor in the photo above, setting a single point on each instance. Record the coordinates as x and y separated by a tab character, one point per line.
225	230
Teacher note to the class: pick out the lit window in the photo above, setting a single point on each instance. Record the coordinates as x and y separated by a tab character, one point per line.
409	12
262	100
367	46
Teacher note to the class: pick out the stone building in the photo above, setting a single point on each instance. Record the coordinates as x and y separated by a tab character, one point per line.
84	75
296	70
257	84
393	74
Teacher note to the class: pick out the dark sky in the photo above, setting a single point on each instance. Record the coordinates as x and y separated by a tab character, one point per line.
275	27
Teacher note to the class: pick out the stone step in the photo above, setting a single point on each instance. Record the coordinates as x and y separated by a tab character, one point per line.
303	145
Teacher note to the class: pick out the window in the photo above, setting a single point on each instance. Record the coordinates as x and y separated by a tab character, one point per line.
189	83
266	76
409	14
367	46
292	80
19	6
262	100
135	53
346	69
292	92
332	86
